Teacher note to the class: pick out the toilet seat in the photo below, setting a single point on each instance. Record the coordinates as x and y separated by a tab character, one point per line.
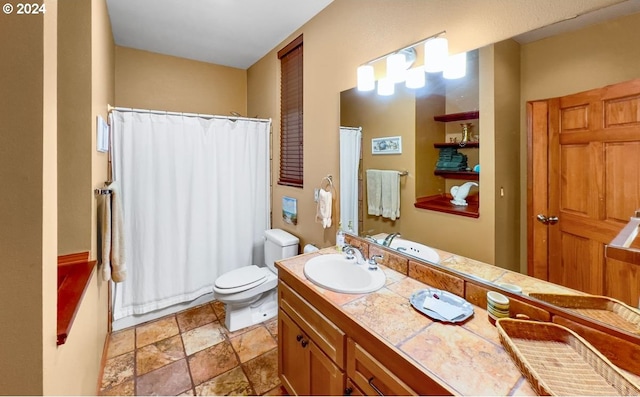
240	279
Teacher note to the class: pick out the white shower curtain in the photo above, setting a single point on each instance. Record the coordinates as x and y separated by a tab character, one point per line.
350	141
195	198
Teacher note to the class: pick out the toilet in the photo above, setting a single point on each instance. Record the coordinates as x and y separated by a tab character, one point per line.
249	293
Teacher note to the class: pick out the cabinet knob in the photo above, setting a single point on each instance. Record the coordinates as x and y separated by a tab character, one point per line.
299	338
348	391
304	343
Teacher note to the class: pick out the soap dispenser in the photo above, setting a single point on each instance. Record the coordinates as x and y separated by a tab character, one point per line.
340	238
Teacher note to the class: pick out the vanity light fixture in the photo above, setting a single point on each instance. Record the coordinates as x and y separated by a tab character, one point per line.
366	78
399	62
456	67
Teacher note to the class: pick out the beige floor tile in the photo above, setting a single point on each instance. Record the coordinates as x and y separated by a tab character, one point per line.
121	342
126	388
196	317
277	391
211	362
272	326
117	370
233	382
202	337
169	380
219	310
262	371
189	392
156	331
159	354
253	343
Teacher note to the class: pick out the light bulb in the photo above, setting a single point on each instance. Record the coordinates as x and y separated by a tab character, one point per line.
396	67
366	78
436	52
456	66
415	78
386	87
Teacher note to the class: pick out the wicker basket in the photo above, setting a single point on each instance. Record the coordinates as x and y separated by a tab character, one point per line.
557	361
601	308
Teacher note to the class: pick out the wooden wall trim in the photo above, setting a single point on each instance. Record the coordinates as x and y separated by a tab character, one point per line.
74	273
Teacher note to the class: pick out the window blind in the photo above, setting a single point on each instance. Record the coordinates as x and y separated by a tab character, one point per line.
291	143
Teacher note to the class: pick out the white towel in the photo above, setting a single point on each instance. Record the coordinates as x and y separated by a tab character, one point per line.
104	209
390	191
113	250
374	192
323	210
118	252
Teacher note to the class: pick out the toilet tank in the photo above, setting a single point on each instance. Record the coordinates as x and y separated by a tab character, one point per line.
278	245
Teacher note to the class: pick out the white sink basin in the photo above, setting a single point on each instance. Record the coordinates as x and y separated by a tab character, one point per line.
334	272
415	249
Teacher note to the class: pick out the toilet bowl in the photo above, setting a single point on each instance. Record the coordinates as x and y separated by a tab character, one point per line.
249	292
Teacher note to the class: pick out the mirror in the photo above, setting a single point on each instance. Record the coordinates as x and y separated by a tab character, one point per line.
565	63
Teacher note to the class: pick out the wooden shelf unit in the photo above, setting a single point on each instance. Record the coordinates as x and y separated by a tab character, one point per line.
474	114
468	145
465	175
442	203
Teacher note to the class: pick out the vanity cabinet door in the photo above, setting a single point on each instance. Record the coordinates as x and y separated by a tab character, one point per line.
293	358
371	376
304	368
326	378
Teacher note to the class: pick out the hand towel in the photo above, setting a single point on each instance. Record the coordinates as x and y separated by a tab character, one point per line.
374	192
323	211
104	209
118	252
390	194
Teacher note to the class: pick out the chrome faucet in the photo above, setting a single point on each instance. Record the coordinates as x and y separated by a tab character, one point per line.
387	240
373	265
354	252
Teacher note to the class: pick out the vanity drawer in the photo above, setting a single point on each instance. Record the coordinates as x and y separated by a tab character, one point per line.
329	338
371	376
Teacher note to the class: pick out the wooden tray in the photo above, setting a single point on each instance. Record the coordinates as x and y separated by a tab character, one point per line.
601	308
557	361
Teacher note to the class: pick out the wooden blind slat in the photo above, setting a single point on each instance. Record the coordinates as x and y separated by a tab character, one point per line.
291	138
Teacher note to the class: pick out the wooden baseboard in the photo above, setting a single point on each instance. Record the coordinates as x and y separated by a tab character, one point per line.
103	362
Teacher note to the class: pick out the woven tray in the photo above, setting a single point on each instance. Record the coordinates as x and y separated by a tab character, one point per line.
601	308
557	361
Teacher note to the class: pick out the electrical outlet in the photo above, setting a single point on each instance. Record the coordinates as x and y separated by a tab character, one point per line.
316	194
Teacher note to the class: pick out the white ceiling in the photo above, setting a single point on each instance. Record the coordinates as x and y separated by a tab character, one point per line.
234	33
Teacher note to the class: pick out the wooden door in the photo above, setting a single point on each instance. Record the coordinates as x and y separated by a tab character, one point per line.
293	359
584	169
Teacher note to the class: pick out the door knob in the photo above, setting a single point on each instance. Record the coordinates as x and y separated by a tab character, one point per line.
552	220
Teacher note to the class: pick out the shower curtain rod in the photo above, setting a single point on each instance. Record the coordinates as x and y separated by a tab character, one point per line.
207	116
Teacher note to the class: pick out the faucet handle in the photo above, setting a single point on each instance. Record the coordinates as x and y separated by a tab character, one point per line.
373	265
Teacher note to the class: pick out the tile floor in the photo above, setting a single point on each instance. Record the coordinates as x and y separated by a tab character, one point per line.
192	353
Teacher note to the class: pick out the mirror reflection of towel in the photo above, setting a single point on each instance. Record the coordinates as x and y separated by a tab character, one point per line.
383	193
374	192
390	188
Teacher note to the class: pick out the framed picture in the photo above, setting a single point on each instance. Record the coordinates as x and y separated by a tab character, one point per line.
290	210
386	145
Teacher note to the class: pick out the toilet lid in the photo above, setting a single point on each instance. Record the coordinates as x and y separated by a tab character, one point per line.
241	279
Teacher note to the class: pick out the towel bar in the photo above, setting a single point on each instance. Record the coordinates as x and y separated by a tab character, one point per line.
102	191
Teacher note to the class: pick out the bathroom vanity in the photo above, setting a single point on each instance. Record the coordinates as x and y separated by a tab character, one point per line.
377	344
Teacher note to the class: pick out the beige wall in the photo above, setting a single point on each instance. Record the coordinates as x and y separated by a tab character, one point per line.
573	62
74	127
74	368
27	240
147	80
345	35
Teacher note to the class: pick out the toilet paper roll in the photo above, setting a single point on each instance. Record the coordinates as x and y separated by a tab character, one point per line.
310	248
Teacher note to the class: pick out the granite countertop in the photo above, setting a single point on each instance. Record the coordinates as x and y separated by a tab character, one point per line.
468	357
